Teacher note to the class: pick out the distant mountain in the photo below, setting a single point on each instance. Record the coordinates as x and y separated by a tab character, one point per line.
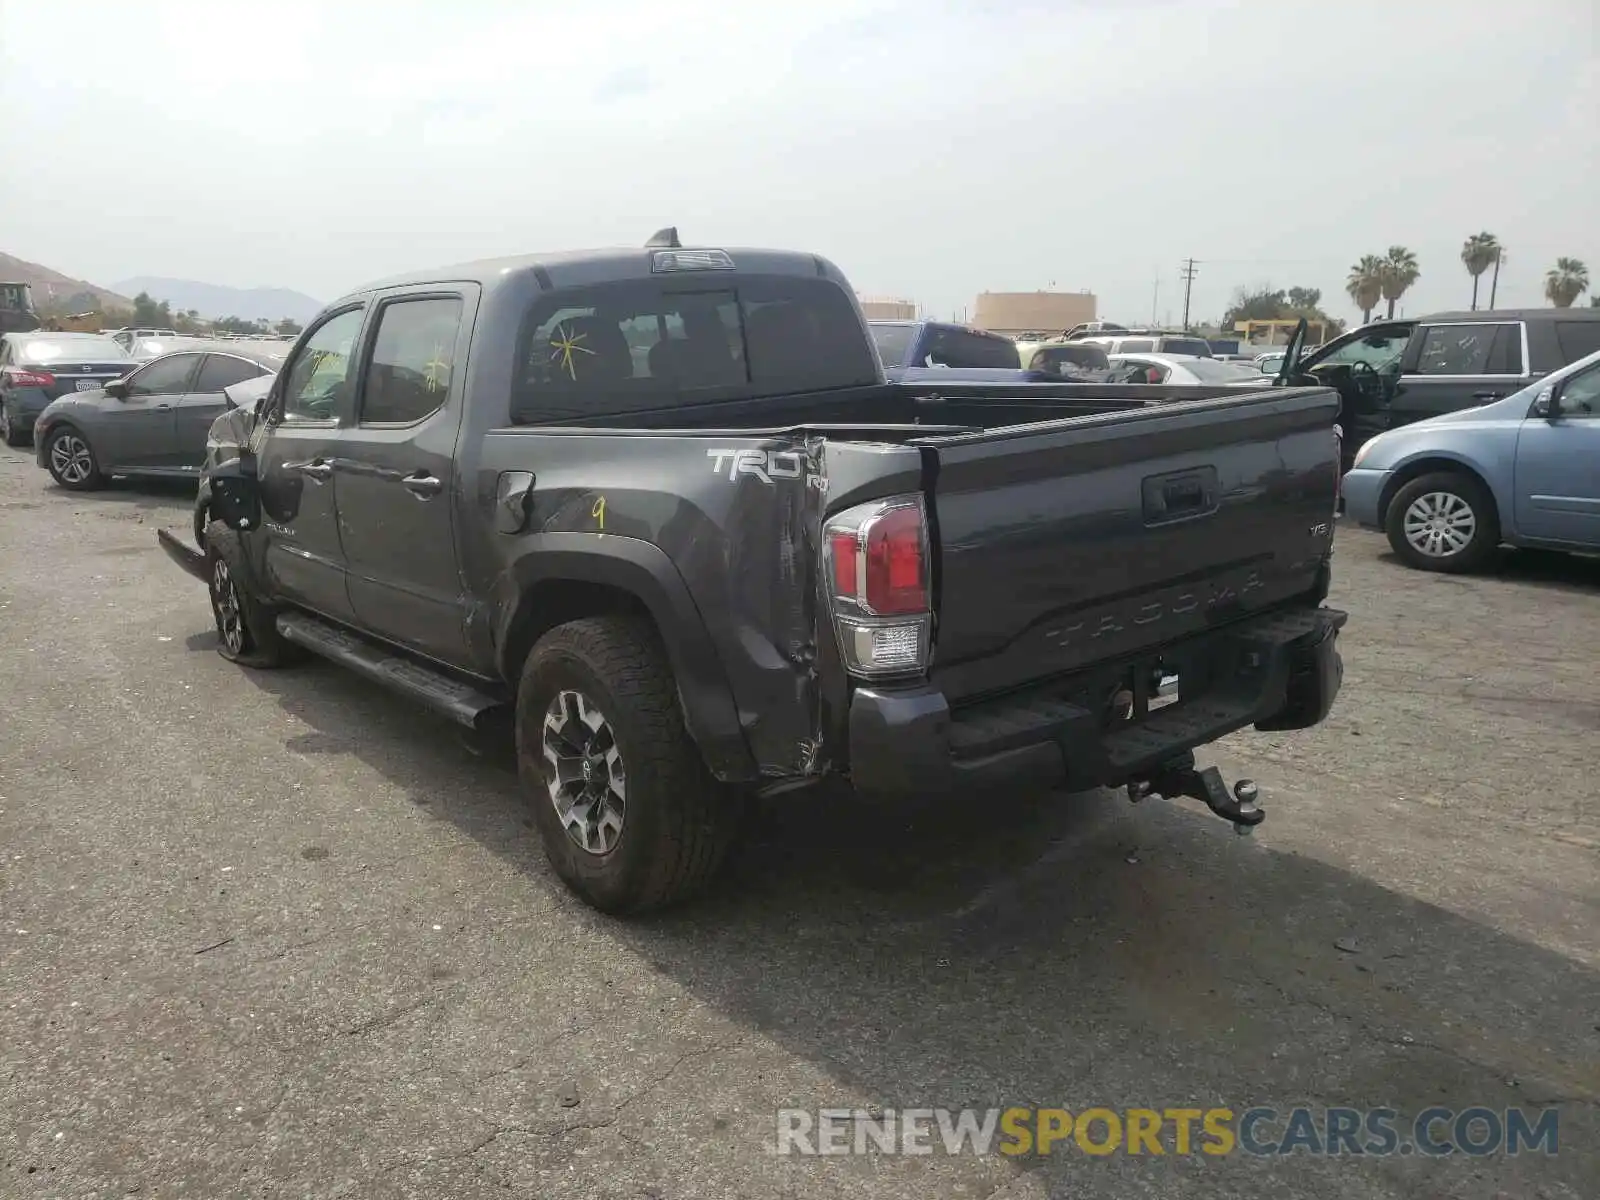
213	301
52	286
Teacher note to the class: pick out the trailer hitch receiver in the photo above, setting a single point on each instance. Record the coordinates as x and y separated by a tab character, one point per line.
1181	777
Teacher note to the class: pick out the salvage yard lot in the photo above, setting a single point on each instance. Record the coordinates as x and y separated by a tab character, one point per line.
281	933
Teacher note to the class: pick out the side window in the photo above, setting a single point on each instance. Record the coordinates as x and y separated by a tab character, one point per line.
1505	355
222	371
164	377
320	372
1456	349
1577	339
1580	394
1136	346
413	360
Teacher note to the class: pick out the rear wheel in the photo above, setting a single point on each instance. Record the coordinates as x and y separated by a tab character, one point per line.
247	631
71	461
10	433
1445	521
629	816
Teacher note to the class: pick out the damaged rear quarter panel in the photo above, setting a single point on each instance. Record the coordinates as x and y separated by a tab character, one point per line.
738	517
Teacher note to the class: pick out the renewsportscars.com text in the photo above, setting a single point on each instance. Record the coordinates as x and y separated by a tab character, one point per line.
1475	1131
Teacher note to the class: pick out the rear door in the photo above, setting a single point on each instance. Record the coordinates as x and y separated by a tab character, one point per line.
1122	532
204	403
1557	478
303	553
396	477
1450	366
138	428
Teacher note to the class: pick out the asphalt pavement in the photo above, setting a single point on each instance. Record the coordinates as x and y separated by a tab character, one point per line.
282	934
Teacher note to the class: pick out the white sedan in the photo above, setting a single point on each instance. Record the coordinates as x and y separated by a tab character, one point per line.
1183	369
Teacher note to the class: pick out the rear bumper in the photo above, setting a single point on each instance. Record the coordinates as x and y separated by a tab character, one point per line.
24	405
1362	492
1277	672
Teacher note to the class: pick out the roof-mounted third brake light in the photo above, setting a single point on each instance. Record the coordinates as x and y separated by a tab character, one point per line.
690	260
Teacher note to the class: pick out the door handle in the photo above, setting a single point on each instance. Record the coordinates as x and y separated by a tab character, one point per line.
1487	396
316	469
422	486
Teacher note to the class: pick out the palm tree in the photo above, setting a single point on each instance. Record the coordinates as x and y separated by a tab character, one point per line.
1478	254
1365	285
1566	282
1399	272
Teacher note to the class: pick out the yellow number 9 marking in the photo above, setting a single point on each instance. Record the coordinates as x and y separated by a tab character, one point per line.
598	512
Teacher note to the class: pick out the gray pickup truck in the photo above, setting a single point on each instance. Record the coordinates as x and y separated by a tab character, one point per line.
658	510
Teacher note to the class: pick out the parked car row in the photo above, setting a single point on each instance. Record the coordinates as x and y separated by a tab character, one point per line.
93	411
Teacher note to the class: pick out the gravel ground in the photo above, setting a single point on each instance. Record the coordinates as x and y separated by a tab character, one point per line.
271	934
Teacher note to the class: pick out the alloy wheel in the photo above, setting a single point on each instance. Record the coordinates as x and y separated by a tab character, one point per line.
1439	524
584	772
69	455
230	617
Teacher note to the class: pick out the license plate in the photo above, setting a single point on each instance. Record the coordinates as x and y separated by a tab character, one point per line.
87	385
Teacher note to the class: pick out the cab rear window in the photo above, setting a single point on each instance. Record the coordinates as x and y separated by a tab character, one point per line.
632	347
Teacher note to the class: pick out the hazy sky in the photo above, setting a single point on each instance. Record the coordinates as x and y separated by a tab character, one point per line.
933	149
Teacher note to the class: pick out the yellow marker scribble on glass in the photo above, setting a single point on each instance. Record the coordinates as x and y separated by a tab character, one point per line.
436	371
598	512
564	345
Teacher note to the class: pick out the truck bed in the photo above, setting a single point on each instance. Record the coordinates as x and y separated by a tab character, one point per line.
973	404
1071	526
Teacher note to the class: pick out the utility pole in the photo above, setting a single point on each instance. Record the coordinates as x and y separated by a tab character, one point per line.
1494	281
1155	294
1188	273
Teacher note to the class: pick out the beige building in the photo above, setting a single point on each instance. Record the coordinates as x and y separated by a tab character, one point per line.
881	308
1012	313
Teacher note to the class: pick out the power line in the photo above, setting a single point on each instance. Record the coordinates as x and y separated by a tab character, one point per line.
1190	270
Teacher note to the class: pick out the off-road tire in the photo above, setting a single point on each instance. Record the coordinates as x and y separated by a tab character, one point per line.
679	821
93	481
259	643
1484	542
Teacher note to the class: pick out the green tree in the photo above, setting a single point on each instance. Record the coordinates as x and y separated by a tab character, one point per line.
1365	285
150	313
1398	273
1478	254
1267	303
288	325
240	325
1565	282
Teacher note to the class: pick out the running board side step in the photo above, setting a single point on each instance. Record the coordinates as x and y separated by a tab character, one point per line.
461	702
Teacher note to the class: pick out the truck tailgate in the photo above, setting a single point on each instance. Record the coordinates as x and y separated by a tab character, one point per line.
1078	541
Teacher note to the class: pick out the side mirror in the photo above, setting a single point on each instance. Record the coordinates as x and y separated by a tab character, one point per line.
1268	368
117	388
1547	404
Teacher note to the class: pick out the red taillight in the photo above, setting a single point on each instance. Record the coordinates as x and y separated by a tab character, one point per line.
843	549
896	563
17	377
878	563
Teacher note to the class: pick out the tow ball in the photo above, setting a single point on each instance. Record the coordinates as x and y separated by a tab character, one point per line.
1180	777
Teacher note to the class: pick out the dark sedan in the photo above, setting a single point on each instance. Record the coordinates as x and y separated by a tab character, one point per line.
37	368
154	421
